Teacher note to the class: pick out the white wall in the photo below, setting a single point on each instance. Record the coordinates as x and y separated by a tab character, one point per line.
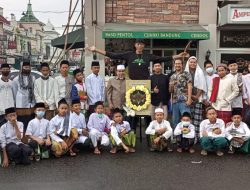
208	16
93	35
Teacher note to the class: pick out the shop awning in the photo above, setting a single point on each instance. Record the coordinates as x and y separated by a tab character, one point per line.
76	38
155	31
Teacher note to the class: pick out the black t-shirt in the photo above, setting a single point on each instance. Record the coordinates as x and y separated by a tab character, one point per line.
138	64
162	83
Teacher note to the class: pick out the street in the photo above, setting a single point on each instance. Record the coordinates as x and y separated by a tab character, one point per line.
142	170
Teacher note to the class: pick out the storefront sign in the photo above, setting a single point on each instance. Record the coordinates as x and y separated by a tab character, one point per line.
240	14
156	35
235	38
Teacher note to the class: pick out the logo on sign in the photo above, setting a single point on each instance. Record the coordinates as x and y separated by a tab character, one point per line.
240	14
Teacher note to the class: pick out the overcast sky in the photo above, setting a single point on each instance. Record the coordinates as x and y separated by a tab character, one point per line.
55	10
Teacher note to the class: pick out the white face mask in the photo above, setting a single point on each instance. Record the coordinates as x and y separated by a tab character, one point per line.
185	123
210	70
234	72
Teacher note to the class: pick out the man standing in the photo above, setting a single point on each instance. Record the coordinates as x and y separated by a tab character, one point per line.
237	103
116	89
6	92
23	88
160	93
138	61
223	92
181	88
44	91
63	83
199	89
210	75
95	87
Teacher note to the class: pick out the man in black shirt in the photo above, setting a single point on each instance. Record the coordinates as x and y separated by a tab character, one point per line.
138	61
160	93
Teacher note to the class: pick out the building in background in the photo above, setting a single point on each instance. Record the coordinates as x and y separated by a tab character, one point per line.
167	26
233	35
50	34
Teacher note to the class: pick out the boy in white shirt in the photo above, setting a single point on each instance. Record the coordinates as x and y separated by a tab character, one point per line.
160	132
38	133
212	133
121	133
79	122
62	133
238	133
185	134
99	128
11	134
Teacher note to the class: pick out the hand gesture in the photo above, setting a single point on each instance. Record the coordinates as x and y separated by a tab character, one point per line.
85	132
157	140
156	90
92	48
5	163
204	133
64	145
48	142
188	102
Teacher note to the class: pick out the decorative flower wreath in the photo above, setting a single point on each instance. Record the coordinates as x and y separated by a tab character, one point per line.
138	98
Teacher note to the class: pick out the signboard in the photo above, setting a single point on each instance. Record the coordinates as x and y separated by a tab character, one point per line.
156	35
235	38
240	14
234	14
147	84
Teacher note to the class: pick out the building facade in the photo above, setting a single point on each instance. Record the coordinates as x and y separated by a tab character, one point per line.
166	25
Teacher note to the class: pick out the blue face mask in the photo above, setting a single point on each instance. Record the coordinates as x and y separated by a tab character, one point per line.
100	115
40	114
210	70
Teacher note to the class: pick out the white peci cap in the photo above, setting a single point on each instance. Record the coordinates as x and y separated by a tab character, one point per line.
120	67
159	110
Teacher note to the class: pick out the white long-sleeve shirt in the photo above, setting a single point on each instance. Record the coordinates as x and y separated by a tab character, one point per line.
22	95
189	135
95	87
117	129
6	92
246	87
240	131
38	128
207	126
237	102
44	91
8	134
228	90
154	126
98	123
56	127
78	122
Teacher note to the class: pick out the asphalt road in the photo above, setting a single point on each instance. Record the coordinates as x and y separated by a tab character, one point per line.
141	170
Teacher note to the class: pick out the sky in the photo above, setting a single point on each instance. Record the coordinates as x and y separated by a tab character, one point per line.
55	10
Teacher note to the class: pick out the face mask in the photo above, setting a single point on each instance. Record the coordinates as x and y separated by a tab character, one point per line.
185	123
100	115
26	72
210	70
40	114
236	123
234	72
5	73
